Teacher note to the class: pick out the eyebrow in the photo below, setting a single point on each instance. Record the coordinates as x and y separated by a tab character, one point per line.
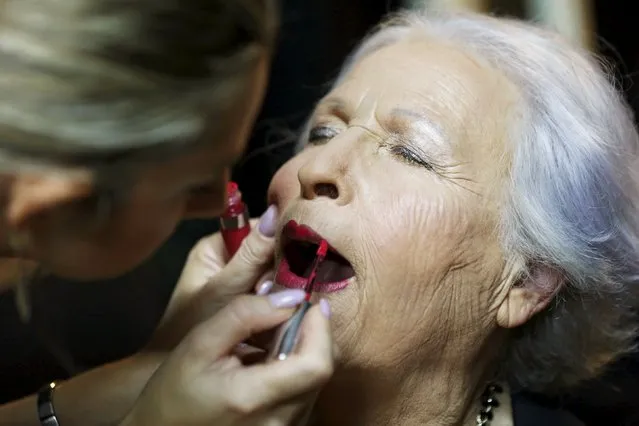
335	105
424	125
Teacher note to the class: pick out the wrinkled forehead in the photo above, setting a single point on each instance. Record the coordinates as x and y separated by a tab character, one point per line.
438	87
455	108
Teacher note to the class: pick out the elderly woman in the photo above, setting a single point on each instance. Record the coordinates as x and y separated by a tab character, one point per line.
475	180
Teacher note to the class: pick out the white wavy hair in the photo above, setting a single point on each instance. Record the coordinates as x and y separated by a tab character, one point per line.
573	194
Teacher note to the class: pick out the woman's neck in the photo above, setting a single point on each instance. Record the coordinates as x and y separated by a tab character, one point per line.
443	392
445	398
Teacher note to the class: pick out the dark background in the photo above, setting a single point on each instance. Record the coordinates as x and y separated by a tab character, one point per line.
76	327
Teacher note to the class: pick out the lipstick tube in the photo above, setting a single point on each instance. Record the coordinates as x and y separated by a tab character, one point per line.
235	221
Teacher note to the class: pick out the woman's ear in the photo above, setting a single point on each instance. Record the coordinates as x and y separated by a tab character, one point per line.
32	196
529	296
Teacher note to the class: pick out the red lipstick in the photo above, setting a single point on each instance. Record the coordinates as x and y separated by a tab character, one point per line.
234	222
312	276
298	249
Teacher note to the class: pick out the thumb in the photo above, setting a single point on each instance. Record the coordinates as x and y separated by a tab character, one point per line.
253	257
307	369
237	321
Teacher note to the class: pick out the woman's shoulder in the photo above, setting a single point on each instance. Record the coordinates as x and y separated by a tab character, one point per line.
531	411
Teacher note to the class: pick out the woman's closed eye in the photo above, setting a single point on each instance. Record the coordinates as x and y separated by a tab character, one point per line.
321	134
409	156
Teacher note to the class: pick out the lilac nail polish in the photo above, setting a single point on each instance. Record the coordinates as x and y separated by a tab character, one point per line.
325	307
287	298
264	288
268	222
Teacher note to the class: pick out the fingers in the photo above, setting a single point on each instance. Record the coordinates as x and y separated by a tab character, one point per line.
264	284
208	258
253	257
205	268
251	260
205	260
241	318
302	372
296	412
249	355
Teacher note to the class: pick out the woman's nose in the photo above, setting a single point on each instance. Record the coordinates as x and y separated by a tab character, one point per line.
323	177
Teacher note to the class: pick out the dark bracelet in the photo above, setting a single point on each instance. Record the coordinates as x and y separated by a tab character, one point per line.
46	412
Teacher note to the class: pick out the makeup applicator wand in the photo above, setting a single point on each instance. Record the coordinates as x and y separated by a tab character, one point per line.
289	332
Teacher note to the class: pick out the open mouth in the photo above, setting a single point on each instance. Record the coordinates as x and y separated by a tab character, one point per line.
299	246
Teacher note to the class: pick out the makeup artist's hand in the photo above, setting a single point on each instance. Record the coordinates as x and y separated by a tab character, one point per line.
209	280
203	383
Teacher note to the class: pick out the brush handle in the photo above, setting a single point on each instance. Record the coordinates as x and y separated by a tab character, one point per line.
288	333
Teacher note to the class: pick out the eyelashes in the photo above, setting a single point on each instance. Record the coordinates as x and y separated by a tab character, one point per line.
322	134
409	157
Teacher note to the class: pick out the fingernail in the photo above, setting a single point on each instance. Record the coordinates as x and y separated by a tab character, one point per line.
264	288
268	221
325	307
287	298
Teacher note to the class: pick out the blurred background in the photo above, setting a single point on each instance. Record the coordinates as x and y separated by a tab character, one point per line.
83	326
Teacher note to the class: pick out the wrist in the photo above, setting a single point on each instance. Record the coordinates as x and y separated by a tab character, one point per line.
146	362
106	394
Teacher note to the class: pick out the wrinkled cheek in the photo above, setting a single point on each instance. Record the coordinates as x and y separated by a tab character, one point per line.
409	248
350	323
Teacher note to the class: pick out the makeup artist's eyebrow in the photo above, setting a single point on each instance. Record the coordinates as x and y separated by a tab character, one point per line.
424	125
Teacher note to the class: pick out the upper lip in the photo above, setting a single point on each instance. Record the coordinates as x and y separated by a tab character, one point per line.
294	231
298	232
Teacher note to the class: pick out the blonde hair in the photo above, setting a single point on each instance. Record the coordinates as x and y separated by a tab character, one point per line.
89	82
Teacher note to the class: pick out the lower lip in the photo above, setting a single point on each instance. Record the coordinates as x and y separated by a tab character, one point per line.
286	278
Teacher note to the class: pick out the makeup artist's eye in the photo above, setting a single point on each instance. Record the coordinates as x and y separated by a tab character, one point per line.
321	134
405	154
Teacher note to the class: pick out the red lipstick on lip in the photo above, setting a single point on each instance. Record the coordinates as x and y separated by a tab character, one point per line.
334	274
234	222
295	231
322	251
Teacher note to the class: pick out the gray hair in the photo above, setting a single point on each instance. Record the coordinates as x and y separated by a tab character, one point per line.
90	81
572	197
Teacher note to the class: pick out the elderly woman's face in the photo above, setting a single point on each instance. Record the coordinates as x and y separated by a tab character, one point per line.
402	174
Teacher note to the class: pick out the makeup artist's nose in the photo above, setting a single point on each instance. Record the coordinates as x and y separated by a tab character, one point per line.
325	176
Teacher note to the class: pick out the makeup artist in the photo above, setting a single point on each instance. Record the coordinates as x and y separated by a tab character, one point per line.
117	121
